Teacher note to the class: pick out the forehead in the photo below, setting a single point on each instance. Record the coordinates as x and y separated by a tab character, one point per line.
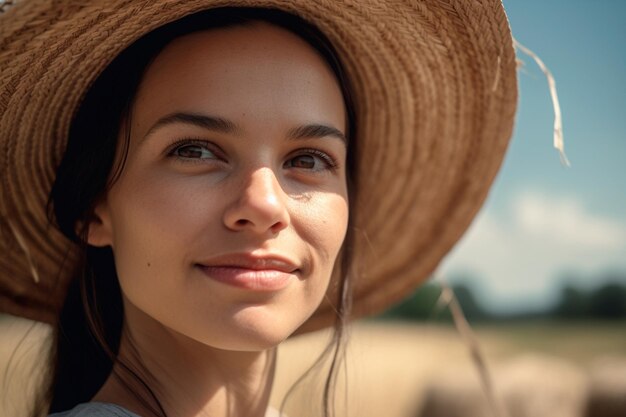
254	41
249	70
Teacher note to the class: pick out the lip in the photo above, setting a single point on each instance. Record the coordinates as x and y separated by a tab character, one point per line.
251	272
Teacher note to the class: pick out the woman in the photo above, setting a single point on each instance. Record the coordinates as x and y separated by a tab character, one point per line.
224	178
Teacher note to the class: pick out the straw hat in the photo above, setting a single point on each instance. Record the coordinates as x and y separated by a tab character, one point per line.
435	96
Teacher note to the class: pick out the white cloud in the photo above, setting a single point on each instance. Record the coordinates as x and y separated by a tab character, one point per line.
517	256
565	221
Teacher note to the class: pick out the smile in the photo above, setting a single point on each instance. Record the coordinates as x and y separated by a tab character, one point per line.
264	274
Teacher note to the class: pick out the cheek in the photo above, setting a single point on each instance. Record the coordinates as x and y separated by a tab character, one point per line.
323	223
154	224
161	207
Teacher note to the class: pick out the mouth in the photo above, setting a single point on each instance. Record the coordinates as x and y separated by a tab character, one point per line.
253	273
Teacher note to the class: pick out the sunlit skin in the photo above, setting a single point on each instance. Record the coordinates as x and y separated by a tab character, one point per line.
228	217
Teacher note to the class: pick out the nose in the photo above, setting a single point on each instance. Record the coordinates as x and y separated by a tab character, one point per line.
260	205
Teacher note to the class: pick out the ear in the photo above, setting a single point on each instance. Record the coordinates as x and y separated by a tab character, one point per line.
99	227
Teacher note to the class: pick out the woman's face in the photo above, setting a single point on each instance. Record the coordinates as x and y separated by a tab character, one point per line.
232	206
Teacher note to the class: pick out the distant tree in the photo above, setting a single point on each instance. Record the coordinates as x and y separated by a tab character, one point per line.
608	301
471	307
573	303
418	306
422	305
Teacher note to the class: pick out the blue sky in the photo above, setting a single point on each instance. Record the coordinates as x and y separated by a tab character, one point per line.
543	221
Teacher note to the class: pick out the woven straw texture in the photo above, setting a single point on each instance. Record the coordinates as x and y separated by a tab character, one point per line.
436	94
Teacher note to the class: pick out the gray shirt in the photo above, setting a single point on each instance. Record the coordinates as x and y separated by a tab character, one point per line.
112	410
96	410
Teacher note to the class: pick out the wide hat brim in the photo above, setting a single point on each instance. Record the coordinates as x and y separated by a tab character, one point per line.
435	96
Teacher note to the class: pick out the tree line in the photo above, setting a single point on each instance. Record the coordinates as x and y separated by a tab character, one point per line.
603	302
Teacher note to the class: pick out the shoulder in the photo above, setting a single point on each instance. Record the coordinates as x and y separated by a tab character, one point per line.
96	410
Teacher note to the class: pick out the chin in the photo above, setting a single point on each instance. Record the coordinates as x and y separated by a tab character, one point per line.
249	340
254	331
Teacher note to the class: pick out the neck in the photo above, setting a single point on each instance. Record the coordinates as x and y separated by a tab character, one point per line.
189	379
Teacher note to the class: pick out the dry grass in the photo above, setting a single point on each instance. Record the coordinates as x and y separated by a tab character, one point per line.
388	364
386	368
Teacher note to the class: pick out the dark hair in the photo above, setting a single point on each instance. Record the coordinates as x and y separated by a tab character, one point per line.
87	337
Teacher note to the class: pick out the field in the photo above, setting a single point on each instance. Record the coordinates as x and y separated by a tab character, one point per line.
389	366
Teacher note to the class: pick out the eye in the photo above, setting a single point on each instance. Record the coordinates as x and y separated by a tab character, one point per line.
311	160
303	161
192	150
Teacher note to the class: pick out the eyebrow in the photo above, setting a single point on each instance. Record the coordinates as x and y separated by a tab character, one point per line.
316	131
219	124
